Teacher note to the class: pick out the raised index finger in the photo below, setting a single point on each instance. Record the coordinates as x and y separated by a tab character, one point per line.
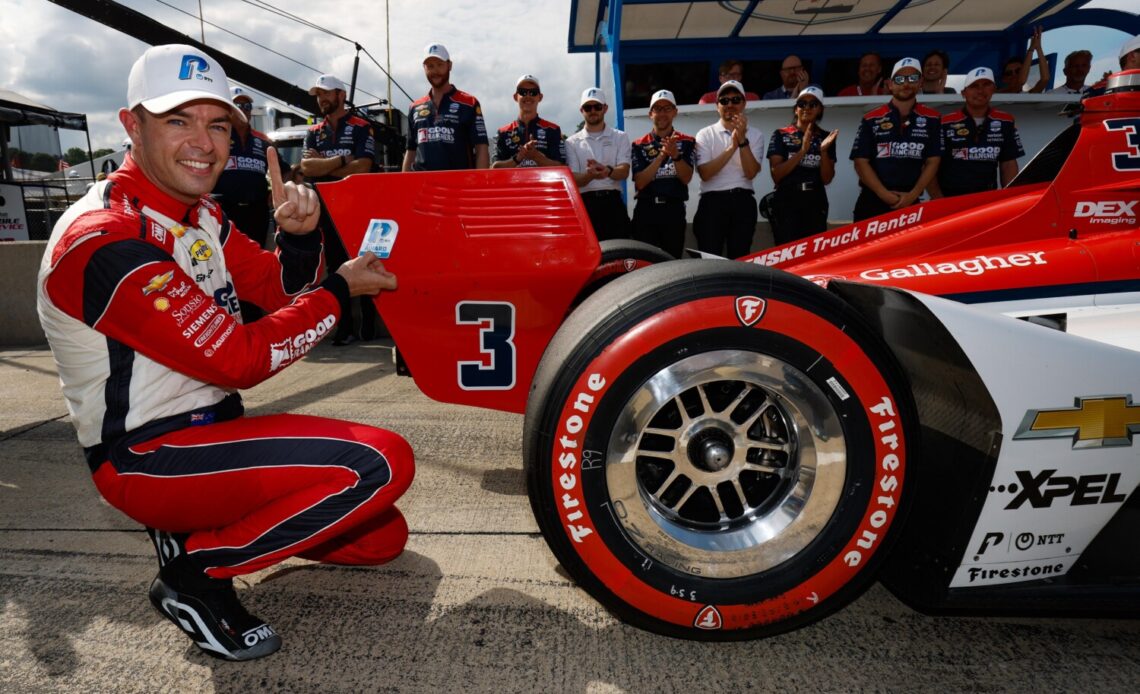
275	182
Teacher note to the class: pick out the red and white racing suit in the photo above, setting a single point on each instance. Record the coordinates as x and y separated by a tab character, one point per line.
138	296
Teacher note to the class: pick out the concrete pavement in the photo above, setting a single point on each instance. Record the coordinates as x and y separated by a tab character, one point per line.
477	602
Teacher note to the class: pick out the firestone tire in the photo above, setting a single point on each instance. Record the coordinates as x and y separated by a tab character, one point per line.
717	451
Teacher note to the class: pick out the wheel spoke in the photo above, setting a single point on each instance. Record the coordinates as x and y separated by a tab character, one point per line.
665	485
765	469
685	497
747	424
740	493
706	407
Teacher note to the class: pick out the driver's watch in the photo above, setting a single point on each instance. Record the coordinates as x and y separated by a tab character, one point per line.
743	143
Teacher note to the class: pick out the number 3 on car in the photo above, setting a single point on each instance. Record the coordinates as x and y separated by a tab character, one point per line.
496	321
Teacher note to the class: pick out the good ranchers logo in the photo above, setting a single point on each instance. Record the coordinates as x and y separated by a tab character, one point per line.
1100	421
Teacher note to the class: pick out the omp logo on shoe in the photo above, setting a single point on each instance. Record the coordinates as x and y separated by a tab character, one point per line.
188	619
708	618
257	634
750	309
1094	422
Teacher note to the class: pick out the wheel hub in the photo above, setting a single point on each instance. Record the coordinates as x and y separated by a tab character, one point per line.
729	462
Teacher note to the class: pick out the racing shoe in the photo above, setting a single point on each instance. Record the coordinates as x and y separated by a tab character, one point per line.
210	614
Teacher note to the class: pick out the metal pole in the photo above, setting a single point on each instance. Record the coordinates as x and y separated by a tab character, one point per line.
201	22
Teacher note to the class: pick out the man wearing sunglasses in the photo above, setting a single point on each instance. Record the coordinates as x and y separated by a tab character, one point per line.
599	157
529	140
728	159
897	147
981	144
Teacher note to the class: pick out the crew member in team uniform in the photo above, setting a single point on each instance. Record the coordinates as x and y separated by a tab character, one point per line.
243	189
802	159
447	130
980	145
663	164
529	140
897	148
137	296
339	146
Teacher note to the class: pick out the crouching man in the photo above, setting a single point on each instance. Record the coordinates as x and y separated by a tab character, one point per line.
138	295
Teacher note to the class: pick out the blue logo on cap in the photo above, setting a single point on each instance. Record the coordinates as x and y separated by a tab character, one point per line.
192	66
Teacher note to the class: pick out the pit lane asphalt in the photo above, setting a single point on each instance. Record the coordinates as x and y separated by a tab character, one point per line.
476	603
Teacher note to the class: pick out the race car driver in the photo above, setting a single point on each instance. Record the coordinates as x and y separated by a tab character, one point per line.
980	145
138	295
897	147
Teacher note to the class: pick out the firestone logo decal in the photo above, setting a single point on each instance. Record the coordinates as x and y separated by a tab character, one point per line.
708	618
750	309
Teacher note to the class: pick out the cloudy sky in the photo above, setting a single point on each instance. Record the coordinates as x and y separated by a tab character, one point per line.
71	63
66	61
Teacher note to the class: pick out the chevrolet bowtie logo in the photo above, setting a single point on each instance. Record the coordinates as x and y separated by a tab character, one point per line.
1095	422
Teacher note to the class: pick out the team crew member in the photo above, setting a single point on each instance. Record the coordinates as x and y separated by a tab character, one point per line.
728	158
1130	54
870	73
980	145
897	148
137	293
599	158
529	140
663	163
338	146
802	160
243	189
447	130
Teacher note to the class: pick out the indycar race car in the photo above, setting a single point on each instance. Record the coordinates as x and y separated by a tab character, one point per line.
718	449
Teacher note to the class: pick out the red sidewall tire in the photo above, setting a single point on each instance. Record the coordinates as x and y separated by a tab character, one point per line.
800	325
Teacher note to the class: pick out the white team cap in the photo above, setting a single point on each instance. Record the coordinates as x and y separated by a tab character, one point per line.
436	50
731	84
1132	44
978	74
239	93
528	78
165	77
905	63
592	94
328	83
813	91
662	95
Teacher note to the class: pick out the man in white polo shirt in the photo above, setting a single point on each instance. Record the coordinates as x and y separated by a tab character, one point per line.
599	157
728	159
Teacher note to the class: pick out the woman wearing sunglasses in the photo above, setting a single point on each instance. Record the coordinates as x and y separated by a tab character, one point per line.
802	160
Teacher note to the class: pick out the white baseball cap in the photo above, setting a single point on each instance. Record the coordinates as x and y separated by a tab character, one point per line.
592	94
239	93
905	63
327	82
528	78
165	77
1132	44
978	74
813	91
436	50
662	95
731	84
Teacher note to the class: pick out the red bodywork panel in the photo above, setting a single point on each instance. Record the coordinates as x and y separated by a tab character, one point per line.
1061	243
489	262
484	240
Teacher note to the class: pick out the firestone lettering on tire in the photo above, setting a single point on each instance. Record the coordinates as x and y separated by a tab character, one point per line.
567	449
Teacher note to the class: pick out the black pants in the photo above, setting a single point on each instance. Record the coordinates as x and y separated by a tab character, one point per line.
869	205
661	222
336	255
798	214
607	214
727	216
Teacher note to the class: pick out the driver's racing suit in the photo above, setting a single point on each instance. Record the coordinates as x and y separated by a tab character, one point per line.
138	296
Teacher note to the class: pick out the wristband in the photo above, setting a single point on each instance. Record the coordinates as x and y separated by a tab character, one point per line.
610	172
743	143
343	161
